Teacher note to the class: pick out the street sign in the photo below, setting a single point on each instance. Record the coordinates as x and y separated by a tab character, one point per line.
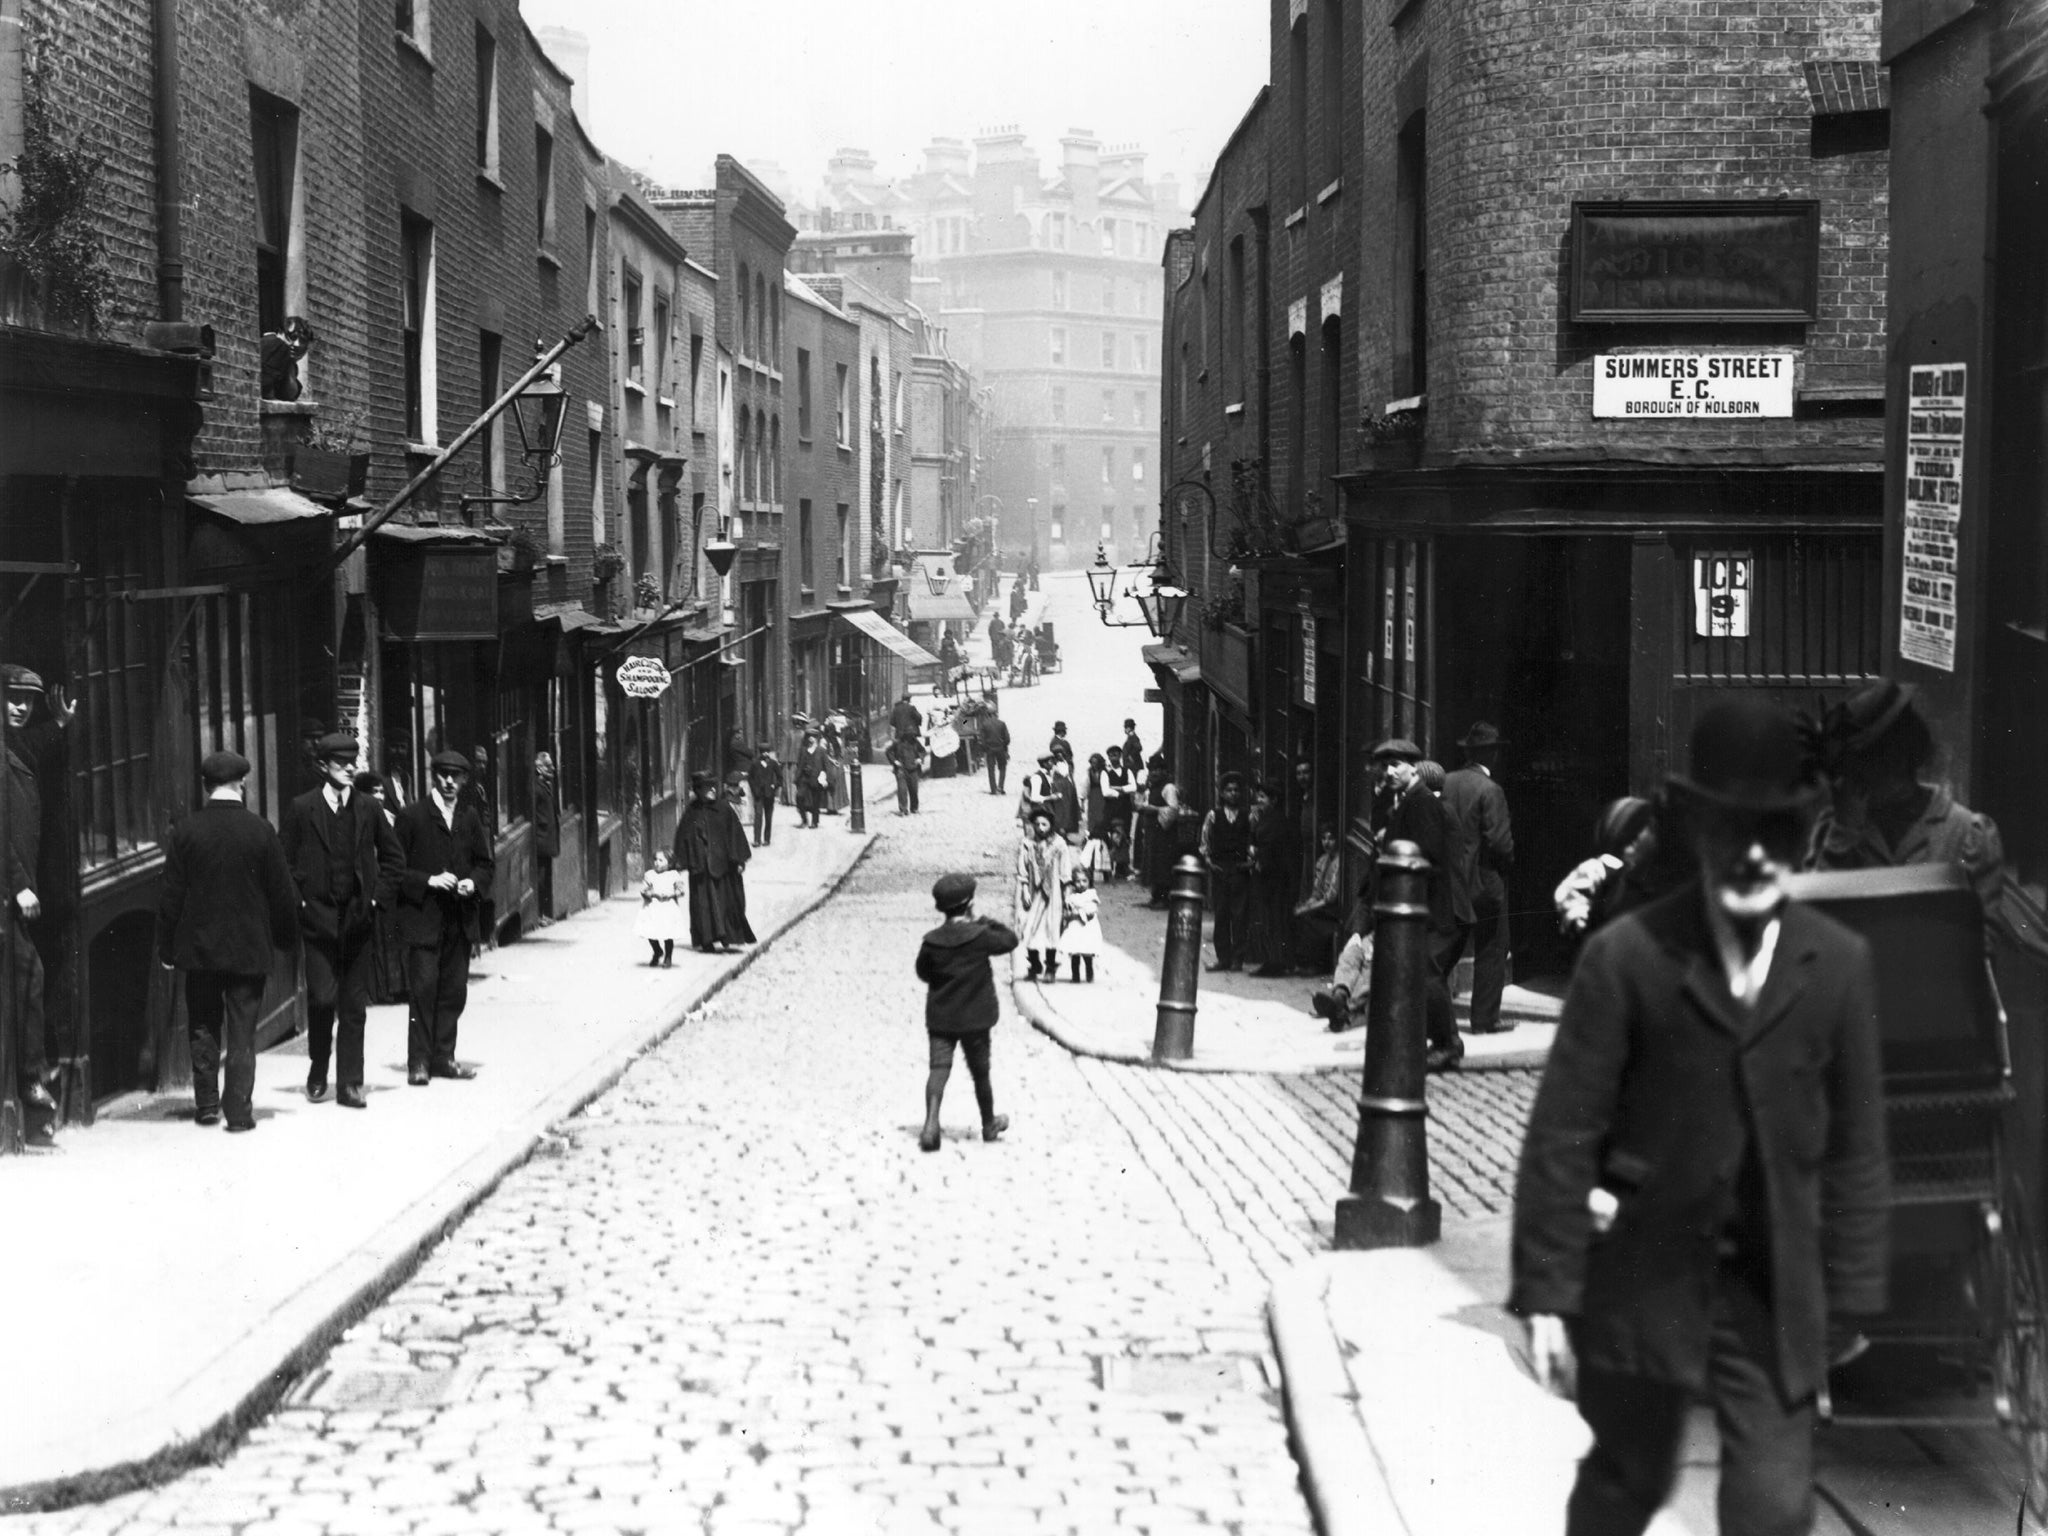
643	677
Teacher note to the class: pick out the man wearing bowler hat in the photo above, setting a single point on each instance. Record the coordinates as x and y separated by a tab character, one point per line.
344	859
1414	815
228	905
446	870
1478	809
1703	1185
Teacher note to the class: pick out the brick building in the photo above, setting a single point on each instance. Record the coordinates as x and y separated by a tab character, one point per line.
826	543
1533	201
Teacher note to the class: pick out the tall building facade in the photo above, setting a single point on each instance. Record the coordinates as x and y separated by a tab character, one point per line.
1049	287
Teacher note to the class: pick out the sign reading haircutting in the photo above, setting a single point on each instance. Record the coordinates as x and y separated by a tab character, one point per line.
1692	385
1934	514
643	677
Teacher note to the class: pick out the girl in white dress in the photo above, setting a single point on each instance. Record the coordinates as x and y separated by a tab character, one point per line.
663	919
1081	938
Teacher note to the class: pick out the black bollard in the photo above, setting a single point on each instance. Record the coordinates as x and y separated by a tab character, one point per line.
1180	973
856	806
1389	1205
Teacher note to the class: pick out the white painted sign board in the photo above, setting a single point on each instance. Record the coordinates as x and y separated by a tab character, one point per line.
1720	595
1692	385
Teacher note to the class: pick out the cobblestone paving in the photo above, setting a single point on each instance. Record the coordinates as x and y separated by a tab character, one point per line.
733	1297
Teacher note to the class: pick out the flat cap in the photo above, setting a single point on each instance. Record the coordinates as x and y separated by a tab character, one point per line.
224	767
1398	746
14	675
951	893
448	762
337	746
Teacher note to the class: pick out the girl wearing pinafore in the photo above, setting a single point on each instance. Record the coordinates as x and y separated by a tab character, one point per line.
662	918
1081	937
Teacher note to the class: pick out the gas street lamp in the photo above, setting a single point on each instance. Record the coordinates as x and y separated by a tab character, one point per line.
538	414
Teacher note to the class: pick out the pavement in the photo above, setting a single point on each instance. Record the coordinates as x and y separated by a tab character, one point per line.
187	1276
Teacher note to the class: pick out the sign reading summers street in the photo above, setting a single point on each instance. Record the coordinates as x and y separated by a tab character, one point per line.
1701	385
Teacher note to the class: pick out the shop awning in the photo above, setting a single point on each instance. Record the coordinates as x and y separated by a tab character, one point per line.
431	533
936	590
568	617
274	504
885	634
1183	664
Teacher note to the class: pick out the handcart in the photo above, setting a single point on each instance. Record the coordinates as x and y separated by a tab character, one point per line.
1954	1348
1048	648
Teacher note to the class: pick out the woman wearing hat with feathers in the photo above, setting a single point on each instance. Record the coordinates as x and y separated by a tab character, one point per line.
960	1007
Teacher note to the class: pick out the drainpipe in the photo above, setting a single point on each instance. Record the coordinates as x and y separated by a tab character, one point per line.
170	178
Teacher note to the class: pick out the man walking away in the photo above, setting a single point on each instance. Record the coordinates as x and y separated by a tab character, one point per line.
995	751
906	757
344	861
1416	816
1478	808
228	906
447	864
1703	1183
1227	850
765	784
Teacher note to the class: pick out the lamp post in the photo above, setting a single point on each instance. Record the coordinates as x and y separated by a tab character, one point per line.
1160	599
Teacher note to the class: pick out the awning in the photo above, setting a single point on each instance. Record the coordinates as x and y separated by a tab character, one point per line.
885	634
568	616
275	504
430	533
1185	666
950	604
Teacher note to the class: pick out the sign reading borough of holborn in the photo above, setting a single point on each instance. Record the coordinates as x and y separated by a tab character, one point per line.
1694	385
1699	261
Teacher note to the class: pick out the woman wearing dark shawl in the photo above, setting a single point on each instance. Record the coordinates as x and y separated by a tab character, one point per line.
711	848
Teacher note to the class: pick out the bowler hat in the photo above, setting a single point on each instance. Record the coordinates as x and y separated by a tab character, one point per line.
1860	721
1400	747
337	746
224	768
17	678
1748	754
448	762
1482	735
952	893
1231	780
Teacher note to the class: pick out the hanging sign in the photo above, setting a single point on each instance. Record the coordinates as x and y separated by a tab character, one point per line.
1692	385
643	677
1934	515
1308	661
1720	595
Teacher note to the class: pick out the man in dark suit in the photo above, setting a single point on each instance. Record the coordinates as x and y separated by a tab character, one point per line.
1414	815
1478	808
995	751
446	867
228	905
1703	1183
344	860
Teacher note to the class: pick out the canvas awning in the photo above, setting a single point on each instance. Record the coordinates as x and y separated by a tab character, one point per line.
886	635
274	504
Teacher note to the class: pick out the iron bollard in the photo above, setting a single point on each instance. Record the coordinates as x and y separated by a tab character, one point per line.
856	806
1173	1037
1389	1205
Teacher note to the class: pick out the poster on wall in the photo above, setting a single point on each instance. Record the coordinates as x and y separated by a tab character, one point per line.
1934	514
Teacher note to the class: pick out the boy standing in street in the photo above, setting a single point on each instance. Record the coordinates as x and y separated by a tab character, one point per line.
960	1008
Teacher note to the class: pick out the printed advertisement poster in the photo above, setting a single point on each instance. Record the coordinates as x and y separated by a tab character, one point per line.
1934	513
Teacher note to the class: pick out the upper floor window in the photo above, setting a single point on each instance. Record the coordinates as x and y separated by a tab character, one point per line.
274	136
543	186
486	103
1058	405
844	423
636	338
803	395
1109	237
1059	346
590	269
1059	290
1138	465
1139	361
1108	406
746	312
414	20
1109	295
416	276
660	344
1109	349
1140	407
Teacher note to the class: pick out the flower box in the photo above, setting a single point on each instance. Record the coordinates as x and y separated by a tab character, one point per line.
325	472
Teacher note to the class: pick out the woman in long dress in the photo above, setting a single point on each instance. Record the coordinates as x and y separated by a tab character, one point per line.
711	848
836	725
1043	870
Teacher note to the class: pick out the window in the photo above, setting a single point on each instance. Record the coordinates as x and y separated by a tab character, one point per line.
557	512
900	404
1059	523
746	339
596	486
845	545
1058	403
1138	358
1333	395
1297	103
775	329
696	370
412	18
1058	462
1059	346
1108	406
416	273
660	345
806	553
1108	534
743	456
590	306
803	395
1108	466
1411	258
1297	445
1109	237
760	342
1109	349
844	404
1233	322
490	362
636	338
543	186
775	457
1138	466
274	136
1333	90
1056	231
1140	407
1059	290
486	103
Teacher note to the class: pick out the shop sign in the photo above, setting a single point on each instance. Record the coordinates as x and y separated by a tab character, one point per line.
1934	515
643	677
1720	595
1732	261
441	594
1308	660
1692	385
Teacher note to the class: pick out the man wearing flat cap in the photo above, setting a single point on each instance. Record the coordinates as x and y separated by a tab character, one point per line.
1414	815
345	861
446	865
1226	847
1478	810
228	906
23	899
1703	1186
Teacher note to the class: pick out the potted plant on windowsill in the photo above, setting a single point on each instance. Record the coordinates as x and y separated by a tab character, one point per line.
328	464
1392	440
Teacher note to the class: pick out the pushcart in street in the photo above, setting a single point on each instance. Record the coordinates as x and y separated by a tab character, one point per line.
1962	1341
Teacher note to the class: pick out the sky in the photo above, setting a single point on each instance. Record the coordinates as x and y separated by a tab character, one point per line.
672	84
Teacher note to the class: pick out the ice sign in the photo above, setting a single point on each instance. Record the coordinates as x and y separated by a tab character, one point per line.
1720	595
643	677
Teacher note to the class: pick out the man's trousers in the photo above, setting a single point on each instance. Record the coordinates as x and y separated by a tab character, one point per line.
1488	936
764	819
337	990
998	765
1231	890
437	984
220	1018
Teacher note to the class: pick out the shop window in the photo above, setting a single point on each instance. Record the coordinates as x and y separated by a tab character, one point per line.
112	746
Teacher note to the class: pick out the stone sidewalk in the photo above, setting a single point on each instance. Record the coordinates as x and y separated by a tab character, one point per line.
187	1276
1407	1385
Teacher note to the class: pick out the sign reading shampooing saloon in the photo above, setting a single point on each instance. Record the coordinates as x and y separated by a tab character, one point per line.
1692	385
